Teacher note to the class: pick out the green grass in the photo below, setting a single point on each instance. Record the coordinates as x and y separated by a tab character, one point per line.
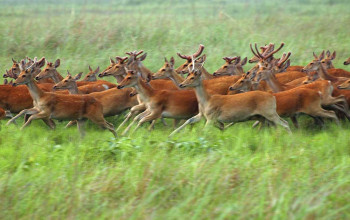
240	173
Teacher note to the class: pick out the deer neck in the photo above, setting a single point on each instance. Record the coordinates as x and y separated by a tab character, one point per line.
143	89
56	77
145	72
35	92
323	74
73	89
201	94
274	84
176	78
239	70
119	78
206	74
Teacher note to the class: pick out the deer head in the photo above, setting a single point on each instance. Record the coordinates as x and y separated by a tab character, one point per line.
49	71
91	76
347	62
115	68
344	85
135	64
129	80
232	66
166	70
315	64
68	82
243	84
327	61
26	75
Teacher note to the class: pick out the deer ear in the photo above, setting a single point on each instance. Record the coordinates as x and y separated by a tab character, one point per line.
143	57
97	70
41	62
328	53
90	68
5	82
78	76
166	60
172	61
57	63
14	61
334	55
112	61
244	61
238	60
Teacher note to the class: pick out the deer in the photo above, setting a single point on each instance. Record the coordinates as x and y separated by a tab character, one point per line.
15	69
232	66
114	101
177	104
213	86
115	69
318	64
60	106
50	71
222	109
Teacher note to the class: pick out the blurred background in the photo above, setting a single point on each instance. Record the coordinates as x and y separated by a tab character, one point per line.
86	32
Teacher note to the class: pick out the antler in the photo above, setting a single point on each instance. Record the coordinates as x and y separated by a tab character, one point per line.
251	48
283	59
68	73
273	52
196	54
121	59
229	59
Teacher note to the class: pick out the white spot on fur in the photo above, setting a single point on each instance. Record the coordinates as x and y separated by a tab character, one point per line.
105	86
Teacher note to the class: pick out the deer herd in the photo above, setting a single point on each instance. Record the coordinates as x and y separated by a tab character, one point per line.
267	93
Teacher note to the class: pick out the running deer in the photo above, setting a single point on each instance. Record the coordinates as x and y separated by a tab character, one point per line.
159	103
114	101
60	106
50	71
319	65
230	108
232	66
291	102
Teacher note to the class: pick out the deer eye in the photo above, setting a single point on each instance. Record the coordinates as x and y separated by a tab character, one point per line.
185	65
192	77
46	70
312	63
163	70
65	81
323	61
128	77
23	76
225	67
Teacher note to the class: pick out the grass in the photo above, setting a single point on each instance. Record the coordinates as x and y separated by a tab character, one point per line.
240	173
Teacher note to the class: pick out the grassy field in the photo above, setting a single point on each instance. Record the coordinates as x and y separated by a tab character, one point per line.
240	173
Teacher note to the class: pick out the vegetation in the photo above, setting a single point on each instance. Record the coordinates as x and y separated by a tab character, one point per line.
240	173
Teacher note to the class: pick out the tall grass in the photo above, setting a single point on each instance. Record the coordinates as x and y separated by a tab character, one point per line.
240	173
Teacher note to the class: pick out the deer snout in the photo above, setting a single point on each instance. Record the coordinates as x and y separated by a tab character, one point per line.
5	75
100	74
14	84
215	74
54	88
231	88
37	78
120	87
346	63
181	86
302	70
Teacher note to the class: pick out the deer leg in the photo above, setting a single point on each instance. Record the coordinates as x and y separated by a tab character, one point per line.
49	122
25	111
295	121
164	122
71	123
152	116
277	120
192	120
133	111
151	127
80	125
327	114
39	115
138	117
